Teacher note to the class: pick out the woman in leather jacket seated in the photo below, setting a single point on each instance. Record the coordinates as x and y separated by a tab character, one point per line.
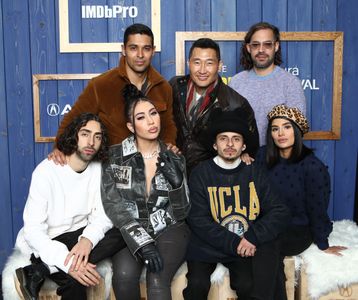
145	194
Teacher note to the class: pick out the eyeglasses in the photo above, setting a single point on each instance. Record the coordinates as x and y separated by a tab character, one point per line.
267	45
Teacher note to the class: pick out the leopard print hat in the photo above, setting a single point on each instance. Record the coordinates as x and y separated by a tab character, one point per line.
291	113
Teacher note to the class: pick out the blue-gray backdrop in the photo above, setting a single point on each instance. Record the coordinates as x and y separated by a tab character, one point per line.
29	44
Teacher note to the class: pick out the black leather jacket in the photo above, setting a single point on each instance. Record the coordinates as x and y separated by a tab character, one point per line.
140	217
193	141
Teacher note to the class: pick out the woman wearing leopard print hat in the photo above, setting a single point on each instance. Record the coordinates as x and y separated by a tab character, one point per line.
303	181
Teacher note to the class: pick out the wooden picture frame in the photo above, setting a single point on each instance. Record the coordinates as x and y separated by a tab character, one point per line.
36	78
336	37
64	31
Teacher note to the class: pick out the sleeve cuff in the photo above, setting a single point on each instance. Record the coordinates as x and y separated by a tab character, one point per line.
322	245
251	237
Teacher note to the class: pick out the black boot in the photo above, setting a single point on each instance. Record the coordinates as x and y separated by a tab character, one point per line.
31	279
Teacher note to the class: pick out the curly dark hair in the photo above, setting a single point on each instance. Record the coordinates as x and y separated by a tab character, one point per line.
245	57
67	142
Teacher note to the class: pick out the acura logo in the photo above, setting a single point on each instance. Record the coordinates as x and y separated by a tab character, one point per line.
53	109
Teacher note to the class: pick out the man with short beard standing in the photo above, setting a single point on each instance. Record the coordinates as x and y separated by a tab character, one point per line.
263	83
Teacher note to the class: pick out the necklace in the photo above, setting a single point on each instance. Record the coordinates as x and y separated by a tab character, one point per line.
151	155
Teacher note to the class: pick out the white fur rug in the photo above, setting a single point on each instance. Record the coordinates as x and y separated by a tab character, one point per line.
18	259
325	271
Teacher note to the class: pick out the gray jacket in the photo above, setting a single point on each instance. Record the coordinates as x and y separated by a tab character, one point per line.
140	217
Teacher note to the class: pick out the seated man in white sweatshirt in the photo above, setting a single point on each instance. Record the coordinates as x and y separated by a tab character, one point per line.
66	231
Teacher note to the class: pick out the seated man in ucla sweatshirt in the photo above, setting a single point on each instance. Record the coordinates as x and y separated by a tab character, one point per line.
235	218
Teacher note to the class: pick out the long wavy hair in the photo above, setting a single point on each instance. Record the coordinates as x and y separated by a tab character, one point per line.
245	57
68	141
299	150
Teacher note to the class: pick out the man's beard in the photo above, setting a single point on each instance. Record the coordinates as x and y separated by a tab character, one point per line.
231	158
265	65
85	157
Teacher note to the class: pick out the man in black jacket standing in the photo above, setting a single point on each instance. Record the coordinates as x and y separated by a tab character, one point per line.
235	217
196	95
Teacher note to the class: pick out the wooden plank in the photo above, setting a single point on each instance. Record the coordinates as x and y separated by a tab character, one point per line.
321	108
19	106
346	149
68	91
43	60
174	10
248	12
224	14
115	33
6	228
275	12
197	15
298	53
94	30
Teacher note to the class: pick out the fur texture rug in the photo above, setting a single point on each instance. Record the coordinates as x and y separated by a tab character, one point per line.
325	271
18	259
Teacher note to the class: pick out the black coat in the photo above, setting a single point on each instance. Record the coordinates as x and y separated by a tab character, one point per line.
194	141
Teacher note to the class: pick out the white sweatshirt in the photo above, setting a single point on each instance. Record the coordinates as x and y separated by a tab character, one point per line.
61	200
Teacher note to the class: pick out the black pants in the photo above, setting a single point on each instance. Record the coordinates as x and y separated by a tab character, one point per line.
70	288
127	270
293	241
251	277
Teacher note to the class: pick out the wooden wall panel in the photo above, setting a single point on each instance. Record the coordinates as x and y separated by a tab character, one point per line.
346	149
94	30
19	104
248	12
67	63
325	19
29	44
197	15
43	60
6	227
224	14
171	10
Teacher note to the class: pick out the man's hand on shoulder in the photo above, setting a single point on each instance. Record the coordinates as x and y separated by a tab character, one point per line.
245	248
57	157
80	253
246	158
86	275
173	148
